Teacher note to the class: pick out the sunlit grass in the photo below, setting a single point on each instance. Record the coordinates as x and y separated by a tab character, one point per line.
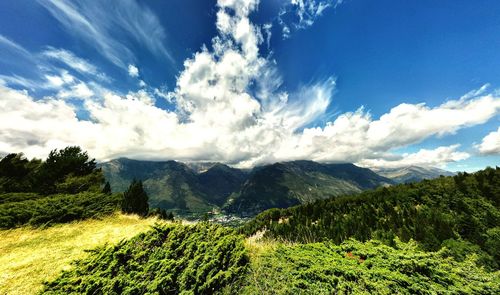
30	256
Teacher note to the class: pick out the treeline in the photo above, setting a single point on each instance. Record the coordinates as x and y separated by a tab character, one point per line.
66	171
461	212
169	259
66	186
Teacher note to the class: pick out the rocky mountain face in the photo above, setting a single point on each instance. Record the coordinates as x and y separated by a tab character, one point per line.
412	173
200	187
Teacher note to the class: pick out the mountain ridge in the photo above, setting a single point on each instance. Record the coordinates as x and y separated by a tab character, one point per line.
203	186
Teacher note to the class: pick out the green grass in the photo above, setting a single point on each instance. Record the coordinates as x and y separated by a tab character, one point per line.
29	256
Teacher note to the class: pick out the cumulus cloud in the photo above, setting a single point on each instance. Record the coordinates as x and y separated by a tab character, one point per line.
133	71
101	23
229	105
490	145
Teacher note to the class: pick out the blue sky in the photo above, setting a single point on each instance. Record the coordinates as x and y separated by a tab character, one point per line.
378	83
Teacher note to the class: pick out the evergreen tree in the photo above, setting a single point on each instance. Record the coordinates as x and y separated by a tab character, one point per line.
135	199
107	188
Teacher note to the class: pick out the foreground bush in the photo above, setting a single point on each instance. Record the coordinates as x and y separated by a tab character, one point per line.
366	268
169	259
34	210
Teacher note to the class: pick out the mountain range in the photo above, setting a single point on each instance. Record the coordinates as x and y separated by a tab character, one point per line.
202	187
412	173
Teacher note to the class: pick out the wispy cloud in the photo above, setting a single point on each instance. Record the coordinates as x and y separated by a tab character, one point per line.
76	63
103	26
301	14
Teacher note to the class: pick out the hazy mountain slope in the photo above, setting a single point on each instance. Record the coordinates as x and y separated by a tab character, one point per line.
220	181
170	184
282	185
412	173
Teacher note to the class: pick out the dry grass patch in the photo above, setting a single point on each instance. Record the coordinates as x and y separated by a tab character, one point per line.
30	256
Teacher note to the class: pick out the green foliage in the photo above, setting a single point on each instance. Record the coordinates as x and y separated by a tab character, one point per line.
35	210
365	268
18	174
169	259
65	171
161	213
135	199
463	207
107	188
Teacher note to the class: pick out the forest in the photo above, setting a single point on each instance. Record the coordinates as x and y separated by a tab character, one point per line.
460	212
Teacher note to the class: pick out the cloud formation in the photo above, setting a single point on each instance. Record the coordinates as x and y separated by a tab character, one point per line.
229	106
301	14
490	145
133	71
103	25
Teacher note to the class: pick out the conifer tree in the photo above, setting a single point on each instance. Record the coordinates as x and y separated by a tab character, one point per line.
135	199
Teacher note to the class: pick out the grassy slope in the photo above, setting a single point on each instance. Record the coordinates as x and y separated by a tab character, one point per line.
30	256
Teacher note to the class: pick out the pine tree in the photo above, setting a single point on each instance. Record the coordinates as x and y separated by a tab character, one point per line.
135	199
107	188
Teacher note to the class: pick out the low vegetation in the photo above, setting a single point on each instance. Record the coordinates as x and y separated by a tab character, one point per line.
461	211
29	256
365	268
434	237
35	210
169	259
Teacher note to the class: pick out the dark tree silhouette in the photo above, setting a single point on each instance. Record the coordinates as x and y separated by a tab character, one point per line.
135	199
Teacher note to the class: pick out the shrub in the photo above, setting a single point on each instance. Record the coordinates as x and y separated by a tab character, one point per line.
168	259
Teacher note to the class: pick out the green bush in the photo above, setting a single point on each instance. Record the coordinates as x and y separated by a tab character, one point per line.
169	259
366	268
30	209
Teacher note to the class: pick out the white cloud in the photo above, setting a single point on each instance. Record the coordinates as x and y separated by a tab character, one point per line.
13	46
133	71
426	158
104	28
76	63
229	105
490	144
301	14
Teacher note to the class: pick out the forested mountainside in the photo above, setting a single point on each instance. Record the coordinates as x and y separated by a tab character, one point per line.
461	211
175	185
412	173
285	184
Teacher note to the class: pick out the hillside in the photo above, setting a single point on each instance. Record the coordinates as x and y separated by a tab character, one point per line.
29	256
169	184
412	173
287	184
461	212
199	187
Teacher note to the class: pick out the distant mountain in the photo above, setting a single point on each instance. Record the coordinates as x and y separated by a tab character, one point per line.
199	187
285	184
170	184
412	173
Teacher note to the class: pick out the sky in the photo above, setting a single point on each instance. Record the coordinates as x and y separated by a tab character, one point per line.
382	84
